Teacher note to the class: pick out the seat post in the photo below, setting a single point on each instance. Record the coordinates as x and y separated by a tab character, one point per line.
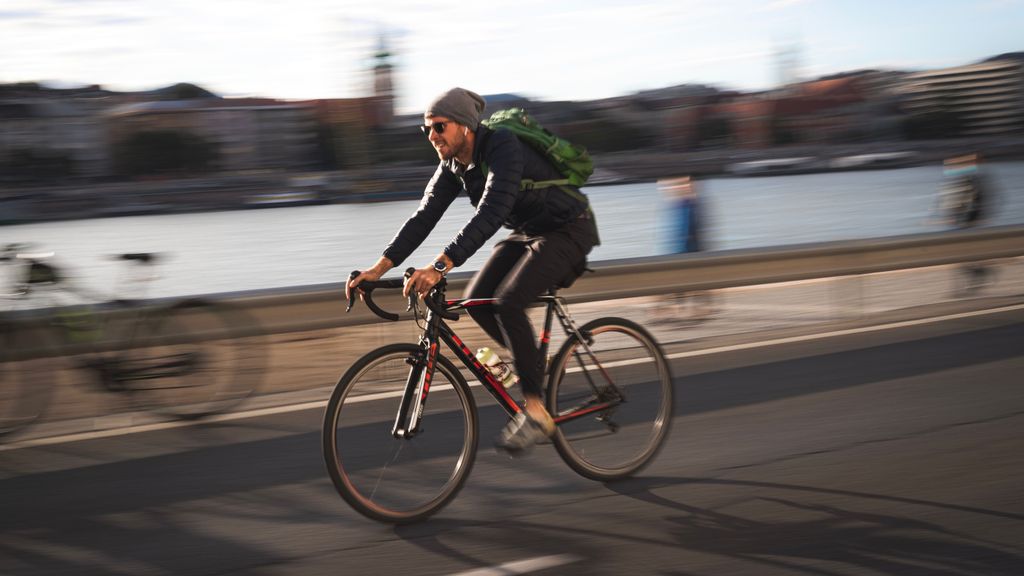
545	336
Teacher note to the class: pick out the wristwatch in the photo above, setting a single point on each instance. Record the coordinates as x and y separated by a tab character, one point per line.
441	267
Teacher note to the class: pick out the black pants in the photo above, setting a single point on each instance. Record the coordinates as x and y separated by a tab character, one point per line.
522	268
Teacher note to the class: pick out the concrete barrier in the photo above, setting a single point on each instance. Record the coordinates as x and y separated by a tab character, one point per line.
323	306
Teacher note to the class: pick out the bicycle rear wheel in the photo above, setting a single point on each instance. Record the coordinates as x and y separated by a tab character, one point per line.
190	360
621	363
389	479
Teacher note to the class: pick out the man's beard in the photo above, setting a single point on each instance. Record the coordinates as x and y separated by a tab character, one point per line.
450	151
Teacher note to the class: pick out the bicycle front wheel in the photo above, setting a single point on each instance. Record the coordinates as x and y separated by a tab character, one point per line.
398	480
619	365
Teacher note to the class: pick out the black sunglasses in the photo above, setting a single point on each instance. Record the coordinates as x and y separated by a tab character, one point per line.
437	126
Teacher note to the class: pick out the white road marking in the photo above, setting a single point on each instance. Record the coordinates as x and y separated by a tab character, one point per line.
844	332
523	566
93	435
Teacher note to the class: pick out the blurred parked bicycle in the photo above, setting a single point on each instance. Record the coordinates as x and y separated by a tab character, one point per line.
184	358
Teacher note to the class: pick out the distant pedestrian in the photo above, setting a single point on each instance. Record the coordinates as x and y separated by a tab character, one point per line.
684	236
681	197
966	203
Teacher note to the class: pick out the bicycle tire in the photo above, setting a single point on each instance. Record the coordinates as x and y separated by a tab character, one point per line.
617	443
190	360
391	480
27	376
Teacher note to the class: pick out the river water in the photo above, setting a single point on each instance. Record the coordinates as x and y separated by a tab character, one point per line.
251	249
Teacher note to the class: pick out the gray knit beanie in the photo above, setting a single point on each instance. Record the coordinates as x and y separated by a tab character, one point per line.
459	104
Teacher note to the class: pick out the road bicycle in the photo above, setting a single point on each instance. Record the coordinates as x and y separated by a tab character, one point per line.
397	458
183	358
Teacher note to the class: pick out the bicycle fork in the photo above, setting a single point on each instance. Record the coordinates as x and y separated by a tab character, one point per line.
414	398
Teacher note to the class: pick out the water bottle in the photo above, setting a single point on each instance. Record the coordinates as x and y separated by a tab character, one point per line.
501	371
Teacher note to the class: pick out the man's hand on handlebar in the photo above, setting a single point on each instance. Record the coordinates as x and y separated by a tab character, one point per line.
371	274
353	284
421	281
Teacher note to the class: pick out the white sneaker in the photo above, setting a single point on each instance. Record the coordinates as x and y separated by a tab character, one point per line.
520	435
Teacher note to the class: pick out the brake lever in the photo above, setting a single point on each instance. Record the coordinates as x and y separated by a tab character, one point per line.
351	292
411	299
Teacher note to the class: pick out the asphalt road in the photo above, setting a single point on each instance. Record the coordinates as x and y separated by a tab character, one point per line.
884	452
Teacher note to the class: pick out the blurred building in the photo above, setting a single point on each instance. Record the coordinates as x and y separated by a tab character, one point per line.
346	125
820	112
52	133
248	134
816	112
985	98
61	137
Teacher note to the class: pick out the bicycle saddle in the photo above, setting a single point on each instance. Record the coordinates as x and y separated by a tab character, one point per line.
140	257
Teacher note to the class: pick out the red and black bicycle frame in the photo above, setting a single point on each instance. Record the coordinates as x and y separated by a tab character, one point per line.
410	412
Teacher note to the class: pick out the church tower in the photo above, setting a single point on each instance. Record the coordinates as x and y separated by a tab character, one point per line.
383	84
787	65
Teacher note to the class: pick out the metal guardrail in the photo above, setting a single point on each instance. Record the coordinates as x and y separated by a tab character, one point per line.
323	306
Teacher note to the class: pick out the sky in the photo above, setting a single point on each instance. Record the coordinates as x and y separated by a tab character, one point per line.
543	49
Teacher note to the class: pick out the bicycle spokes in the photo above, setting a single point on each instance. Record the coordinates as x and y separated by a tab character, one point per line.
383	464
600	434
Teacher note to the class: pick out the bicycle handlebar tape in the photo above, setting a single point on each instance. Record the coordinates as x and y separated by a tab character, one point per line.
377	309
433	301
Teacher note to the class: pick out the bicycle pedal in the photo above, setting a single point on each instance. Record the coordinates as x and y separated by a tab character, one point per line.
513	454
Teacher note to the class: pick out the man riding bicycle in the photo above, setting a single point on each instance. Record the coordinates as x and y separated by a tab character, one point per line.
552	233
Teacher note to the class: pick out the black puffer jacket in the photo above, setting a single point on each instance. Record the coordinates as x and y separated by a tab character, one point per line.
496	196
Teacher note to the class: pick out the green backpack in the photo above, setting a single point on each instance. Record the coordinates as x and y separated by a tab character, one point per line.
572	160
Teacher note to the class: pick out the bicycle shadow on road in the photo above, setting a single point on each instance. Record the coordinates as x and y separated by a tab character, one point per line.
786	526
778	527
